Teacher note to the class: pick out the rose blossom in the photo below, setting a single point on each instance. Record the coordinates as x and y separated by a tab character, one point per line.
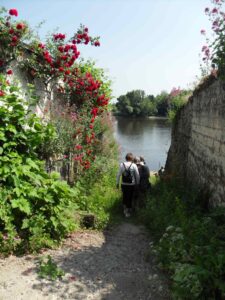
13	12
20	26
97	43
14	39
214	10
9	72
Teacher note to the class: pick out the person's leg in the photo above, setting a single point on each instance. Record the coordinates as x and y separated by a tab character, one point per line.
135	198
125	194
129	198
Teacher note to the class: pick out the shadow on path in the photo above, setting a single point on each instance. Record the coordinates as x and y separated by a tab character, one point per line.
113	266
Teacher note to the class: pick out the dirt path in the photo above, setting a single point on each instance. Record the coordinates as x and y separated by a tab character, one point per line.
116	265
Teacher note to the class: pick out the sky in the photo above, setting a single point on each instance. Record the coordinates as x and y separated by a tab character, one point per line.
153	45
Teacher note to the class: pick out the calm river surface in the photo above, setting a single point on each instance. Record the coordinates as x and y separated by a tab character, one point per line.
147	137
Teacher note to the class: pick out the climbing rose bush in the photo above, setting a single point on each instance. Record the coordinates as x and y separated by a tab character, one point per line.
81	93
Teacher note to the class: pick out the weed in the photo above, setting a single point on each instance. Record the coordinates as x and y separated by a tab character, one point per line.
48	269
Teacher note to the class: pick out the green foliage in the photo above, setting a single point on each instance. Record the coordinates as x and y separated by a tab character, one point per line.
176	103
98	193
101	197
48	269
136	103
189	240
162	103
34	205
89	66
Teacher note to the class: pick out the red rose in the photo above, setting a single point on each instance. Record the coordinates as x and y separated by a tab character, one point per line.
14	39
61	49
20	26
9	72
97	43
1	93
87	40
11	31
67	48
85	29
42	46
13	12
78	147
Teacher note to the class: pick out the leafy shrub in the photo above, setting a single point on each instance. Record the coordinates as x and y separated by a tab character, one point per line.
33	204
190	241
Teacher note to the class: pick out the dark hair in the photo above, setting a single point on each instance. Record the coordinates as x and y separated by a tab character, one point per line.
137	160
142	158
129	157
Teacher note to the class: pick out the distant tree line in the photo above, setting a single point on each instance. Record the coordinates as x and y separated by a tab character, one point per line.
137	104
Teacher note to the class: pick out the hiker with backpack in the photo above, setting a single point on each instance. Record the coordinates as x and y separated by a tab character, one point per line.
130	179
144	186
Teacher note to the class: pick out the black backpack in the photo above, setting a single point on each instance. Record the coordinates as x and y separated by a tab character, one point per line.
127	176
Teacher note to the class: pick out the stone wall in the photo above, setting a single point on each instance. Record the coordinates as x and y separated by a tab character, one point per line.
22	79
197	152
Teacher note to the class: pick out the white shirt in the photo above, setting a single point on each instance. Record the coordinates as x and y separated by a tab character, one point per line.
133	170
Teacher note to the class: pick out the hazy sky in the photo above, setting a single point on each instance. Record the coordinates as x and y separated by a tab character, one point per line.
145	44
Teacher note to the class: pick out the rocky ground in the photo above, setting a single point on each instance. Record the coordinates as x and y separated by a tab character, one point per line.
114	265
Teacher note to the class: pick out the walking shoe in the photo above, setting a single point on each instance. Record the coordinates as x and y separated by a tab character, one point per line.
127	215
125	211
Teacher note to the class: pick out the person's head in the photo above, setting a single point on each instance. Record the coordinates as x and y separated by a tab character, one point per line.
129	157
137	160
142	159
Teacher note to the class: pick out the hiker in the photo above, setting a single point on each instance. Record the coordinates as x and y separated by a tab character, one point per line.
130	178
144	186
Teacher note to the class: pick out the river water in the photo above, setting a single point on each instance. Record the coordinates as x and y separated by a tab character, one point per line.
146	137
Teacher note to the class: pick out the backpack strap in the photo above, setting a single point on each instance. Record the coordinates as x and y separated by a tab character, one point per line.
130	166
126	168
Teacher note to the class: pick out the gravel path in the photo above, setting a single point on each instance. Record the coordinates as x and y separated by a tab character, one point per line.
116	265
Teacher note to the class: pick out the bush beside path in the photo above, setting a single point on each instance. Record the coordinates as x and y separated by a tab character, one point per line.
114	265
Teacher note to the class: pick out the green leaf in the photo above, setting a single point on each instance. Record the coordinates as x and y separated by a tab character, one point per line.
6	145
17	191
31	163
16	181
22	204
25	224
11	128
2	137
